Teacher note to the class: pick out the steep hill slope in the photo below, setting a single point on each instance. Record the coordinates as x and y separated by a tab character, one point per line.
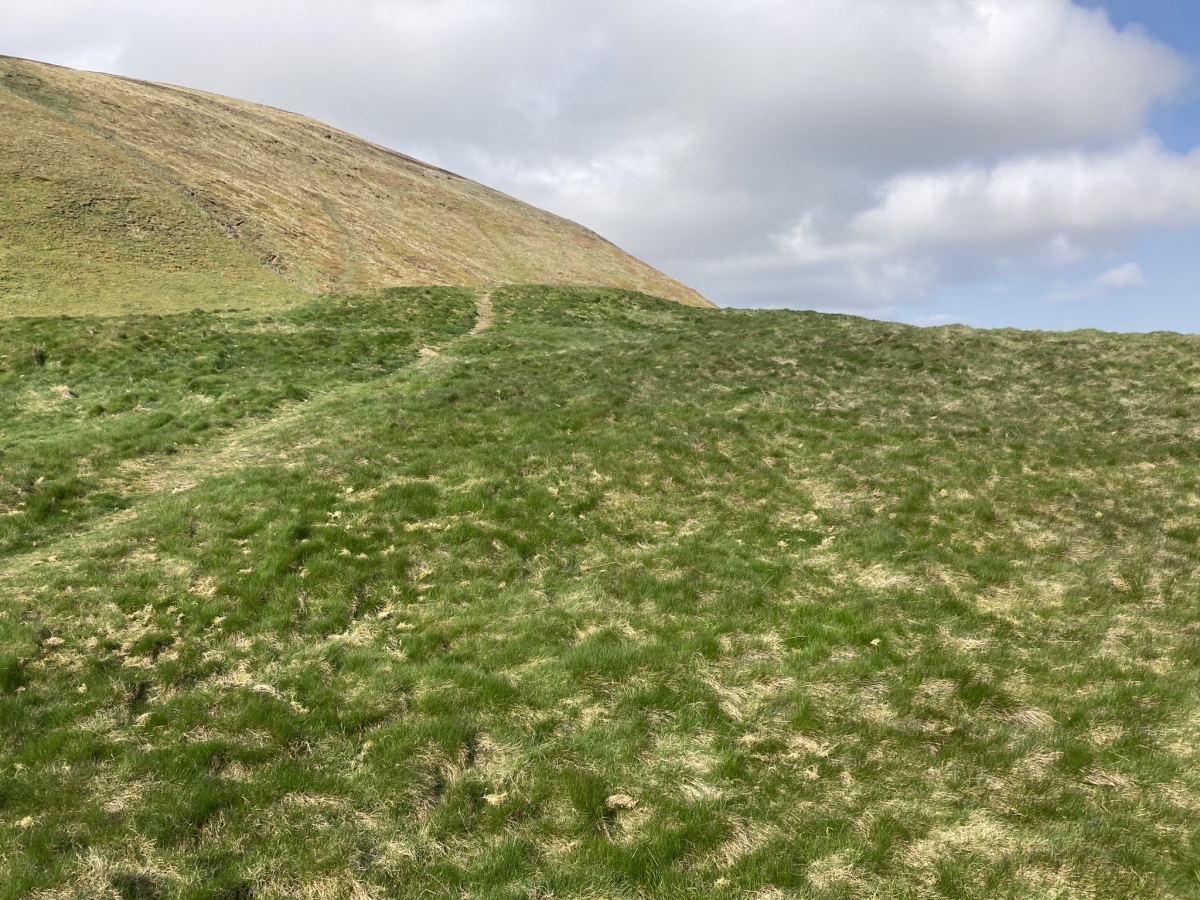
122	194
85	228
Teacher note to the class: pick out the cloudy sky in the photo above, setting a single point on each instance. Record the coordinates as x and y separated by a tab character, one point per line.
1033	163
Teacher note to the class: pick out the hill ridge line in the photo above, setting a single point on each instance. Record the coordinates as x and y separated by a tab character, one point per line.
318	208
223	101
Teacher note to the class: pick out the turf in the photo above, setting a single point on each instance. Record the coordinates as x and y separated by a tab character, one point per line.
616	598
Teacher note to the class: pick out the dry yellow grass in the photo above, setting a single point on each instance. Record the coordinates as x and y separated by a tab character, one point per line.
123	173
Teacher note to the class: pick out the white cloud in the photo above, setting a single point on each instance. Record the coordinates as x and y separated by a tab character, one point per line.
857	150
1122	278
1039	198
802	244
1129	275
1030	213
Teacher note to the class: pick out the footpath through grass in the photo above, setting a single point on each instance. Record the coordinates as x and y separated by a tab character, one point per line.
614	599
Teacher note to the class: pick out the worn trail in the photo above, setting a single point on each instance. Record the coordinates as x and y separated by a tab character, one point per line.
252	444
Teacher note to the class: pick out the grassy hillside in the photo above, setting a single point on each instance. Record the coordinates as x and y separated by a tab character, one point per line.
119	195
86	229
615	598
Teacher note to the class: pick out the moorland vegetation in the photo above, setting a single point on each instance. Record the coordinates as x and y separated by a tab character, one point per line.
615	598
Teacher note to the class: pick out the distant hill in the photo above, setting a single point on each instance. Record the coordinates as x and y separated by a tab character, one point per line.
119	195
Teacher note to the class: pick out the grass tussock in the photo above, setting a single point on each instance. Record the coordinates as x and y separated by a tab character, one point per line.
612	599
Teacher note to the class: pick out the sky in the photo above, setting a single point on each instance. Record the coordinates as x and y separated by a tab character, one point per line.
1023	163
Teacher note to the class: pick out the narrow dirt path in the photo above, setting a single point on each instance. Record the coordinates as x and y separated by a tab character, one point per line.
483	313
251	444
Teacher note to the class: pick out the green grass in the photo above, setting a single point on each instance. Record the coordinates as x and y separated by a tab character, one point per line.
92	403
614	599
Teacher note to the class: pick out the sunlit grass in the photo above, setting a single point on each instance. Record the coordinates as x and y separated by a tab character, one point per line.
120	196
615	598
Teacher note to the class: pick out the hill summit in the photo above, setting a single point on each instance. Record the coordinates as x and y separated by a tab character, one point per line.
119	195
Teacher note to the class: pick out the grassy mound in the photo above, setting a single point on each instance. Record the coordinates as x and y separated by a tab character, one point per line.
615	598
